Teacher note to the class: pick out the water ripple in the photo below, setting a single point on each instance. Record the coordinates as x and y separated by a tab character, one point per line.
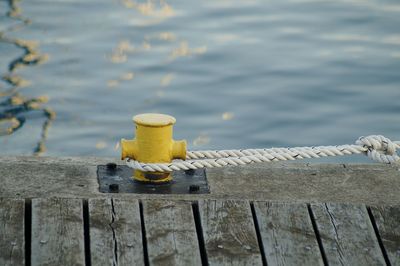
14	106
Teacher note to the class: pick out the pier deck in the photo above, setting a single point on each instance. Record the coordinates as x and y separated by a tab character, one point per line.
52	213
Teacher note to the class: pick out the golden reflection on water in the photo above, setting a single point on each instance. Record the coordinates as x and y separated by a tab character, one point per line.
16	81
166	80
153	8
119	54
167	42
14	10
32	54
12	118
100	145
113	83
127	76
9	125
15	106
184	50
124	48
227	116
160	9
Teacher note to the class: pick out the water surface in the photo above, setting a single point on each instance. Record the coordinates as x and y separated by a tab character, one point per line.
235	74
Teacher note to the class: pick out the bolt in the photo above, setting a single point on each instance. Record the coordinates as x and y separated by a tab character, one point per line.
194	188
111	166
113	188
190	172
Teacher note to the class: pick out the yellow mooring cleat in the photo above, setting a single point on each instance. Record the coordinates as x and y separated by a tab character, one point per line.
153	144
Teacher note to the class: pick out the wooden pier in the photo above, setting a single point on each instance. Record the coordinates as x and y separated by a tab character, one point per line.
52	213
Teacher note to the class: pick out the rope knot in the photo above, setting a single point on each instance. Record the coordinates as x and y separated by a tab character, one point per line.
380	148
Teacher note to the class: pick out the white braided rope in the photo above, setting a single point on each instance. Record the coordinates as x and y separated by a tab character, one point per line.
376	147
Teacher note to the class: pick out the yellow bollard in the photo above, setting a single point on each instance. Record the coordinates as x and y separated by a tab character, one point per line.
153	144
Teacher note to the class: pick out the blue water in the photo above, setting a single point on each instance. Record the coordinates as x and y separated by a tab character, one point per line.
235	74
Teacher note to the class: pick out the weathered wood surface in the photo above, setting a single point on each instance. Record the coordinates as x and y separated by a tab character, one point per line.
115	232
387	220
57	232
171	233
109	231
347	235
229	233
76	177
12	238
287	234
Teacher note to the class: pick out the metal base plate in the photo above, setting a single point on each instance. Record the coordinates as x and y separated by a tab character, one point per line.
118	179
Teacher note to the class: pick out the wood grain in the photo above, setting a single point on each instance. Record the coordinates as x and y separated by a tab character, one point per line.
229	233
347	234
115	232
387	220
287	234
171	233
12	238
57	232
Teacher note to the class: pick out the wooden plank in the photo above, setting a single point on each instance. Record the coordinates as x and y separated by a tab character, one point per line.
387	220
57	232
287	234
115	232
12	235
347	235
229	233
171	233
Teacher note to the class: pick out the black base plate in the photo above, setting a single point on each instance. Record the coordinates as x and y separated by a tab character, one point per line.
118	179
